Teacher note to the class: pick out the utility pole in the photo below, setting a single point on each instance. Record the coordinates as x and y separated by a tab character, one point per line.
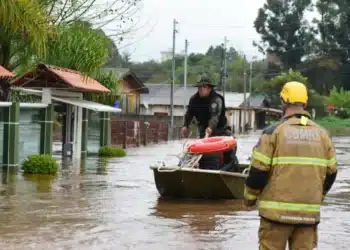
245	95
173	82
221	86
250	92
250	78
185	73
225	67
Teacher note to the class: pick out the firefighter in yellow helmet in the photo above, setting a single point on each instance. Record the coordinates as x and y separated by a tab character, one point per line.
293	167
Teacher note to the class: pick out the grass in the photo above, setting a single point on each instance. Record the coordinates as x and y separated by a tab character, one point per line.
336	126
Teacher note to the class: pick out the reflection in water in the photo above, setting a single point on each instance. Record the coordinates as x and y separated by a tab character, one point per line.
102	167
43	182
113	204
204	217
8	180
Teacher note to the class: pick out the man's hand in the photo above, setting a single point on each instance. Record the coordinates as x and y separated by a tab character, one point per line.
249	204
184	132
208	132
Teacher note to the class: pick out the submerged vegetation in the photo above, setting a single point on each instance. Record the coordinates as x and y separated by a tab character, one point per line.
40	164
111	151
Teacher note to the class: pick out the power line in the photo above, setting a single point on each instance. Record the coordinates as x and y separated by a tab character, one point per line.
142	37
205	25
282	52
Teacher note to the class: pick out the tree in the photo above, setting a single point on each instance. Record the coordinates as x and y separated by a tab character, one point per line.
273	87
126	60
111	82
323	73
148	70
98	13
210	61
272	90
4	89
115	60
335	37
327	27
333	26
78	47
28	22
285	31
22	22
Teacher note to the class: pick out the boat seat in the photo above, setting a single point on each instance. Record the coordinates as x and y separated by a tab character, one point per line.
210	161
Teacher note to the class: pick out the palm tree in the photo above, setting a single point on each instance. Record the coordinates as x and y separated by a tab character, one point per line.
25	20
79	47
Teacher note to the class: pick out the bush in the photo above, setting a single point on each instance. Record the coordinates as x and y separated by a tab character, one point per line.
317	102
109	151
273	87
339	98
334	122
40	164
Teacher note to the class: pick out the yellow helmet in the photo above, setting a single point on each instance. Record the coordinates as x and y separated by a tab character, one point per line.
294	92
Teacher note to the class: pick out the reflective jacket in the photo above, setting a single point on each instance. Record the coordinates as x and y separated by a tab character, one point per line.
293	166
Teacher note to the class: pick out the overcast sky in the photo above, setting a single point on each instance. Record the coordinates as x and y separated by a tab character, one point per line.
202	22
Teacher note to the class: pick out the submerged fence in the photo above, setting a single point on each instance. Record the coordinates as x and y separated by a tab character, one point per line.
127	130
29	133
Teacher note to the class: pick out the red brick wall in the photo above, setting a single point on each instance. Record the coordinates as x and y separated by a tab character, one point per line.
136	133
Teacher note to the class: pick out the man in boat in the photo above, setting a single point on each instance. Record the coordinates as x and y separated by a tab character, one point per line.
292	169
208	107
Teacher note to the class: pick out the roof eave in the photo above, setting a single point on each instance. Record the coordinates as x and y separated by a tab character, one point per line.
6	77
5	74
104	91
143	88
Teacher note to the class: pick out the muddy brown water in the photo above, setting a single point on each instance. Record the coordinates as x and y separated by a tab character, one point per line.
115	205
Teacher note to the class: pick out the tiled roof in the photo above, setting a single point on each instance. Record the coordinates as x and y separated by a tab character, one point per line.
73	79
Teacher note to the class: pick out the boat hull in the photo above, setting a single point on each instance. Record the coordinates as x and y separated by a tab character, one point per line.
190	183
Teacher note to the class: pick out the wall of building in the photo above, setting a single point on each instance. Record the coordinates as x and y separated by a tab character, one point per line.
152	109
130	99
133	133
236	119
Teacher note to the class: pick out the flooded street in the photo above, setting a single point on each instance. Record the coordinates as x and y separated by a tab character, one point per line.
115	205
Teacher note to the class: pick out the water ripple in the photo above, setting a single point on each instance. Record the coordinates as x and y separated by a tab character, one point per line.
114	204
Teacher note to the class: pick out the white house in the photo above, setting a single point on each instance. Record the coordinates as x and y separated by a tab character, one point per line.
253	115
157	102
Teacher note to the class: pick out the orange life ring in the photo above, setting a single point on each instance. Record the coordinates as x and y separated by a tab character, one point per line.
212	145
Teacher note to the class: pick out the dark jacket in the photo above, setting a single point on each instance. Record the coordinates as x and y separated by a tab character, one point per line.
209	112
